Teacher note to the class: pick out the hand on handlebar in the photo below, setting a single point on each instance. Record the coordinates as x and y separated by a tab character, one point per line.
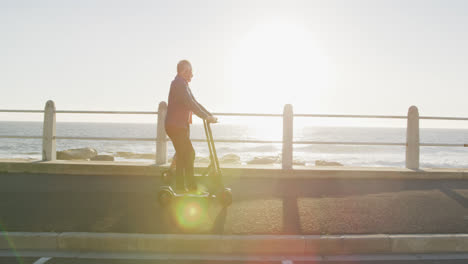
212	119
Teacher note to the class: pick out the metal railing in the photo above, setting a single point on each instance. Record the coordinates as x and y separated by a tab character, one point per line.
412	143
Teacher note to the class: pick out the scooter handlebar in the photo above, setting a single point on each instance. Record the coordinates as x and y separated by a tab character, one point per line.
212	120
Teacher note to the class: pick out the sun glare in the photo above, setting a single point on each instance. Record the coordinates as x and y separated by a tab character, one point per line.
190	213
281	61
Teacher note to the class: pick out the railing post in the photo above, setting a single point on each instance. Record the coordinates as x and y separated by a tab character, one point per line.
287	155
161	143
48	133
412	139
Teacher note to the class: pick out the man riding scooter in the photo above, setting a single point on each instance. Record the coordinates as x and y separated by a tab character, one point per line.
181	105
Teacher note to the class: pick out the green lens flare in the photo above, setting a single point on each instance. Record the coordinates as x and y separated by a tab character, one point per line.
4	235
190	213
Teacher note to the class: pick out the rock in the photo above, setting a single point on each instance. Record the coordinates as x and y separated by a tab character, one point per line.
264	160
123	154
327	163
145	156
103	158
299	162
131	155
230	158
77	154
202	160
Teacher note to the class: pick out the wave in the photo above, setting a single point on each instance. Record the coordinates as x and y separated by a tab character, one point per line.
263	148
348	149
239	148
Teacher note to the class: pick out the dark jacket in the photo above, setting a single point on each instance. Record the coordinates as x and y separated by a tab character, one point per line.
181	104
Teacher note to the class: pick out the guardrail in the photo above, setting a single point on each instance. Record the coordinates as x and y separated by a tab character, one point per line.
412	132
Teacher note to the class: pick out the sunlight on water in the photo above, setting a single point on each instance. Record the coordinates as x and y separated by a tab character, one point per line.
256	129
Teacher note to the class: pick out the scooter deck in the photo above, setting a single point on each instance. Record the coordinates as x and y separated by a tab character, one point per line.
195	195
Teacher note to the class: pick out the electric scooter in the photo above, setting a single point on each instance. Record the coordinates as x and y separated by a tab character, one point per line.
218	191
168	175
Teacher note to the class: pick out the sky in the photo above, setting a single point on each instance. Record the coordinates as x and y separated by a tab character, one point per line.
324	57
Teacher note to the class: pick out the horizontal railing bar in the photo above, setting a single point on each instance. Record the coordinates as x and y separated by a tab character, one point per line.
378	144
233	114
20	111
381	116
22	137
143	139
83	112
442	145
248	114
107	112
250	141
108	138
240	141
443	118
348	143
350	116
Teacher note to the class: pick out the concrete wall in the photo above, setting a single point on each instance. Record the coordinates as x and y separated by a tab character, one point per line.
139	169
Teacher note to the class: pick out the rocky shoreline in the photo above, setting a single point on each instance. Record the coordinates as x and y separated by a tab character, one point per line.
92	155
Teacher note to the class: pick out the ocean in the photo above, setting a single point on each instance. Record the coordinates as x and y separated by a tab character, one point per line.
348	155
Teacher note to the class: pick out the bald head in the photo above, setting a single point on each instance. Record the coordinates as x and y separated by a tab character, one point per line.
183	65
184	69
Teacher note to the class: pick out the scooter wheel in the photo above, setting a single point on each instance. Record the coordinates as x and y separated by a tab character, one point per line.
226	197
166	177
164	197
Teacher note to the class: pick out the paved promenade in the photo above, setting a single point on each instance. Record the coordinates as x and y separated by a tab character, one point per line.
88	203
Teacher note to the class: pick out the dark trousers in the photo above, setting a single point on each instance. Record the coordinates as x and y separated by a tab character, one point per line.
185	157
